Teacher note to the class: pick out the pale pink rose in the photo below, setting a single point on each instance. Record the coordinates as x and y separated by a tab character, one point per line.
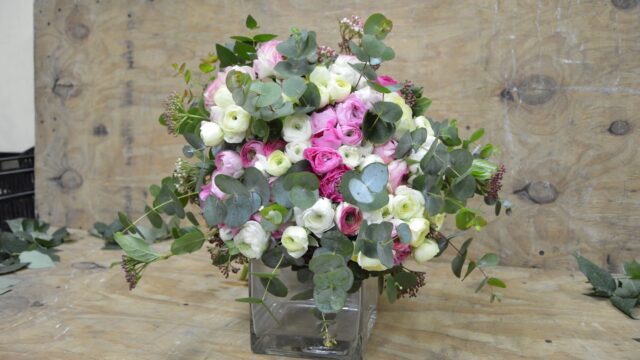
398	171
220	81
267	58
211	189
400	252
274	145
229	162
329	138
322	159
323	120
348	219
330	183
249	151
386	151
351	111
350	135
386	80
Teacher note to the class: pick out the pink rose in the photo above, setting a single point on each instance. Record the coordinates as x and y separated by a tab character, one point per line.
323	120
386	80
267	58
272	146
350	135
229	162
249	151
330	183
348	219
351	111
329	138
386	151
322	159
221	80
211	189
398	169
400	252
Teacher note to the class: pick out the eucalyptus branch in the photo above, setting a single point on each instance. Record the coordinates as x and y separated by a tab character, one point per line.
155	209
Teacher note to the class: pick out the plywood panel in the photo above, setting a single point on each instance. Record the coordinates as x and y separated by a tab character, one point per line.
556	83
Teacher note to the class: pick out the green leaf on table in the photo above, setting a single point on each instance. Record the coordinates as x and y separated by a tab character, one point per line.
629	288
188	243
36	259
632	268
601	280
12	265
251	23
136	248
6	285
275	286
625	305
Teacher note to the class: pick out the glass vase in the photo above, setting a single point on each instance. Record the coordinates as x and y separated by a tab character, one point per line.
286	327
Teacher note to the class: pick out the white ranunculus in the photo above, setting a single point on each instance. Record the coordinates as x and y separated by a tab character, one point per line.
296	240
419	229
278	163
406	122
295	150
251	240
235	123
342	68
366	148
296	128
226	233
407	203
427	251
422	122
320	76
216	113
370	264
211	133
324	96
367	95
350	155
260	163
319	217
370	159
373	217
438	220
338	88
416	156
223	97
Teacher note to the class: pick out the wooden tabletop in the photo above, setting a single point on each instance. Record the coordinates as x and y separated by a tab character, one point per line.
184	309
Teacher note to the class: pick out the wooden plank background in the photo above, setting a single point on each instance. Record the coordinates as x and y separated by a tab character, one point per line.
556	83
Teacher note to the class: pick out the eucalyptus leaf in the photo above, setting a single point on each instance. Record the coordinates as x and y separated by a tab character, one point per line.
136	248
601	280
275	286
36	259
188	243
294	87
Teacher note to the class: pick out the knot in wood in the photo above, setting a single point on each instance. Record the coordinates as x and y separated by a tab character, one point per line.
537	89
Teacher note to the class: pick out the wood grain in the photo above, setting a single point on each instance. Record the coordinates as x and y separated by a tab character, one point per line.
555	83
184	309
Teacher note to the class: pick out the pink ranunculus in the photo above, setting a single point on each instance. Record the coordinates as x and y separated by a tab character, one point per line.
350	135
329	138
400	252
277	233
272	146
348	219
220	80
249	151
351	111
229	162
398	170
267	56
330	183
323	120
322	159
386	80
386	151
211	189
256	216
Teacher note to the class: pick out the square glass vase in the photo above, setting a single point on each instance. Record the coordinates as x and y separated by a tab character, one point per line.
285	327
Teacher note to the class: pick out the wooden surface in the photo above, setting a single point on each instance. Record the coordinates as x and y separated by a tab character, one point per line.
555	83
184	309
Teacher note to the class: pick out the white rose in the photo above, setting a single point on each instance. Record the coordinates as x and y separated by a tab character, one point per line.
320	76
370	264
342	68
425	252
296	128
350	155
295	150
370	159
223	97
419	229
368	96
338	88
251	240
407	203
278	163
295	240
319	217
211	133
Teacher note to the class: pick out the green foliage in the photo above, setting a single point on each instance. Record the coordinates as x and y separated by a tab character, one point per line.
374	241
378	25
336	242
136	248
188	243
332	279
274	286
367	190
300	52
251	23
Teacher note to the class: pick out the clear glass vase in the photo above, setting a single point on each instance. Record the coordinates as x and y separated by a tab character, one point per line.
287	327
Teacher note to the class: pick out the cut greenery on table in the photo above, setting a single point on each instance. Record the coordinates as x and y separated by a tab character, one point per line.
623	290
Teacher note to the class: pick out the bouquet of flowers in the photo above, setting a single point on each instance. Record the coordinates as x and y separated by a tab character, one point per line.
299	156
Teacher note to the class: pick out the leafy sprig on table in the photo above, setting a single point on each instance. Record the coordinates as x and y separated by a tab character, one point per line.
622	290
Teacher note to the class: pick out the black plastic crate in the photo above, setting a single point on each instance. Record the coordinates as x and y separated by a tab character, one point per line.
17	186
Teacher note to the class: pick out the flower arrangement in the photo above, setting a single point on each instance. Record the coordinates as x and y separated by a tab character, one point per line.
299	156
